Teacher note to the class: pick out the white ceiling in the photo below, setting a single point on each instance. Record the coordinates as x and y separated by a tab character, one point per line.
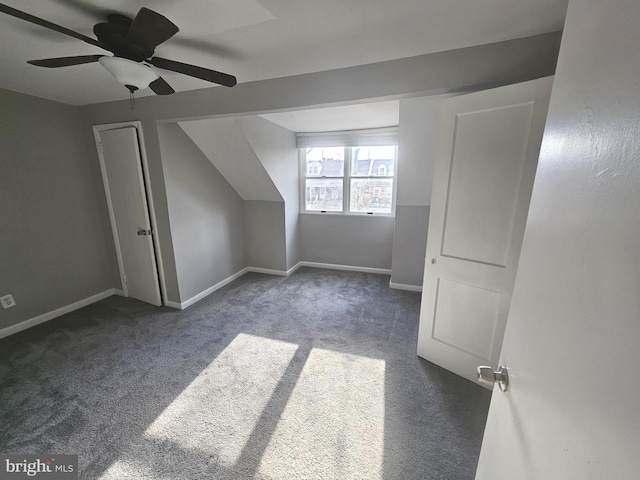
330	119
259	39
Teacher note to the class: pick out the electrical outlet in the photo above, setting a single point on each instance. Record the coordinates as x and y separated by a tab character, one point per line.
7	301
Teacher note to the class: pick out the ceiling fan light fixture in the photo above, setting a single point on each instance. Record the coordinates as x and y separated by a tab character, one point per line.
129	73
132	41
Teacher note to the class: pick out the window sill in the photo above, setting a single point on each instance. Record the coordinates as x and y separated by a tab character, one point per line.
342	214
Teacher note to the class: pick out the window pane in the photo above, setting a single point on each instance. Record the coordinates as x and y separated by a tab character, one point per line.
323	194
325	162
371	195
373	161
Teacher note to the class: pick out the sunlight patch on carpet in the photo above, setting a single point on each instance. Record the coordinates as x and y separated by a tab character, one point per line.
122	468
218	411
333	423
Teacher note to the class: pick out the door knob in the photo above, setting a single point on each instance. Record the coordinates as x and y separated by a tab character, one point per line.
142	231
487	376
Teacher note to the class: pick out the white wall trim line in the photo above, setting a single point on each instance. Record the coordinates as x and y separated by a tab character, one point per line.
404	286
281	273
294	268
208	291
351	268
268	271
176	305
45	317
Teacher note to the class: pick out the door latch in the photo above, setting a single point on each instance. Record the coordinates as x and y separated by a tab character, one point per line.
142	231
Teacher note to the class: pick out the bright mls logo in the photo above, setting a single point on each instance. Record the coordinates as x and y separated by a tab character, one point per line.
50	467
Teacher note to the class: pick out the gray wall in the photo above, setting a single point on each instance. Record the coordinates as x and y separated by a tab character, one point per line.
362	240
417	137
409	244
56	238
259	159
265	234
206	215
445	72
54	249
275	146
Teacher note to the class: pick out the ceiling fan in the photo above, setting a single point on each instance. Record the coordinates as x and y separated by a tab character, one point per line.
132	42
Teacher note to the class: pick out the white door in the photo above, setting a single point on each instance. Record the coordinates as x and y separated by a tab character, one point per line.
483	175
127	200
572	343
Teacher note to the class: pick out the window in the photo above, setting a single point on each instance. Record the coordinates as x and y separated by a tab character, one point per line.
324	193
349	179
313	169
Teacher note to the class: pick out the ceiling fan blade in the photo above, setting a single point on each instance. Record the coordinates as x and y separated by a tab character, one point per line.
44	23
65	61
193	71
149	29
161	87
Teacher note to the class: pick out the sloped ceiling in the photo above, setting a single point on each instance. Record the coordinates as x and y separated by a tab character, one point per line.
259	39
224	144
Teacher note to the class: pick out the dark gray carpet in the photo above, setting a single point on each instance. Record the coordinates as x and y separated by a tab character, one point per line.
310	376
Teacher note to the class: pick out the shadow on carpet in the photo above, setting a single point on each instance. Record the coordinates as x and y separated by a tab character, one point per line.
310	376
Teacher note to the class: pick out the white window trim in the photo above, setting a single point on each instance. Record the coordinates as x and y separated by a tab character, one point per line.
346	185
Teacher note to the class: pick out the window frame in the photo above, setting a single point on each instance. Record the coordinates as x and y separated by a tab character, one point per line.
347	177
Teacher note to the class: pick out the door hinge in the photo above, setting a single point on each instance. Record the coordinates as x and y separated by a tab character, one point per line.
101	147
124	278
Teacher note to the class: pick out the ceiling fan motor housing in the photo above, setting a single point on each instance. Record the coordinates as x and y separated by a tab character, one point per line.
114	35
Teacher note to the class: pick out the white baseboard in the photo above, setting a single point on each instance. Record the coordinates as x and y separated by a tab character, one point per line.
294	268
281	273
403	286
268	271
45	317
226	281
208	291
350	268
176	305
